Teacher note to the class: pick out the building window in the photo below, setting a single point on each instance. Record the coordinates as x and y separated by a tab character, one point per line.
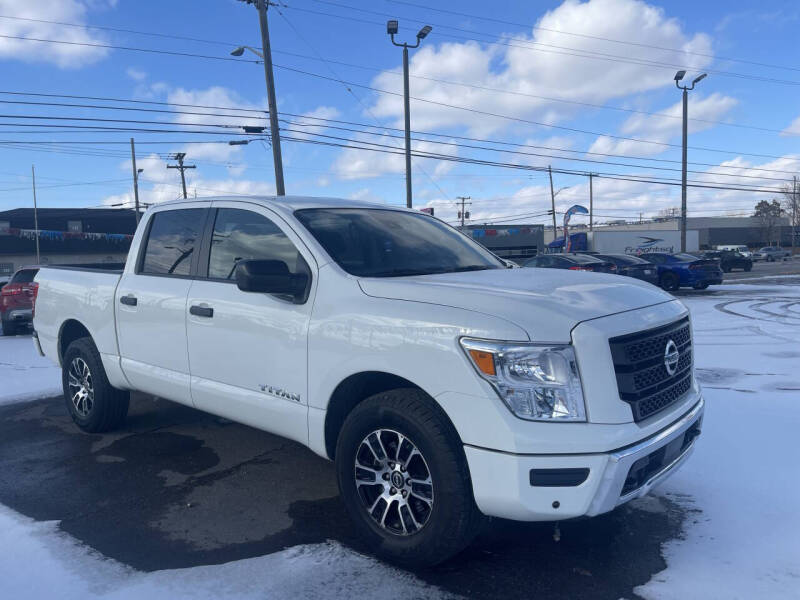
74	226
6	269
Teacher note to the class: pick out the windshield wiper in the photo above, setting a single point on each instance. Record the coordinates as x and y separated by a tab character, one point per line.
470	268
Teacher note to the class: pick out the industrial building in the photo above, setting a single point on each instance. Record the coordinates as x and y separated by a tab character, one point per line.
66	236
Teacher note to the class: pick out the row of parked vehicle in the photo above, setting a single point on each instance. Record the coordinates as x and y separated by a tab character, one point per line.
16	301
669	271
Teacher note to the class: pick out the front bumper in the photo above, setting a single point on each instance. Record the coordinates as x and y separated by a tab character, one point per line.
502	482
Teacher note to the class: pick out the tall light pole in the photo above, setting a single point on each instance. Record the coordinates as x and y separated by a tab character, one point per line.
391	29
135	181
266	55
678	77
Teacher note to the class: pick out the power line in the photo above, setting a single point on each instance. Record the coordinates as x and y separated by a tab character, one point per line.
588	36
547	48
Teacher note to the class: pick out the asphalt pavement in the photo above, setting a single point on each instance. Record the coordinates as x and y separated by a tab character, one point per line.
179	488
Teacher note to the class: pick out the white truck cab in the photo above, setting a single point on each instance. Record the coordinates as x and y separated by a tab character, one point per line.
445	386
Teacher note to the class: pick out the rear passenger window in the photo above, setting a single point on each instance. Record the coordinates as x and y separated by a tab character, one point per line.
174	237
245	235
25	276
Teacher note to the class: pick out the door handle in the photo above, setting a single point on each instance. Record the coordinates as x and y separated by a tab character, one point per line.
202	311
128	300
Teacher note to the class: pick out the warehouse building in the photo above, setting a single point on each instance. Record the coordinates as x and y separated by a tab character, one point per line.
513	242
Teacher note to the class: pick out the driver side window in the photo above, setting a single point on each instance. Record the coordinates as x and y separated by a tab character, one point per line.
246	235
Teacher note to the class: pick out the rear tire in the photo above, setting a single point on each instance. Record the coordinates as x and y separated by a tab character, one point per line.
770	259
669	282
421	523
94	405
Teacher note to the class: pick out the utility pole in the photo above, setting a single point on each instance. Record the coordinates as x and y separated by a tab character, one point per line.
266	56
273	104
591	203
181	167
35	215
794	210
553	202
678	77
135	181
463	214
392	28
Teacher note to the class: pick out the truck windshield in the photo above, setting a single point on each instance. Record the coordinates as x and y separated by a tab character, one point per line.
391	243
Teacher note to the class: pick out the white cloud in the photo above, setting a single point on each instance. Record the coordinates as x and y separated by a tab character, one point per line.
665	126
63	55
552	70
136	74
364	164
793	128
311	122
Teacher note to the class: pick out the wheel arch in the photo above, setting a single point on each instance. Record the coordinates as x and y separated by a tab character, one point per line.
70	330
353	390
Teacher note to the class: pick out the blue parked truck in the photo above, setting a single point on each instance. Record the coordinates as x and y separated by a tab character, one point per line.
684	270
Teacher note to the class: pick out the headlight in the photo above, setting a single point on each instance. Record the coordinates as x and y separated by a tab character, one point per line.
538	383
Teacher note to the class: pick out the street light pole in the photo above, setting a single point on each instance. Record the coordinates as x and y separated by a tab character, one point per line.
266	55
35	215
135	181
678	77
391	29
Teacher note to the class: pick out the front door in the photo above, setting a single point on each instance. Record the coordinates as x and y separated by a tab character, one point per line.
248	351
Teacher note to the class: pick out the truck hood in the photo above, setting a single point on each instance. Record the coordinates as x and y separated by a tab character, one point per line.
546	303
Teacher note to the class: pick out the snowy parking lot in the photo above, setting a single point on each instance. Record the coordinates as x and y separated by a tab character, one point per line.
180	504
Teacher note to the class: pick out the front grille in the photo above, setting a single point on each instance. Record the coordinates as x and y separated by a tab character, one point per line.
642	376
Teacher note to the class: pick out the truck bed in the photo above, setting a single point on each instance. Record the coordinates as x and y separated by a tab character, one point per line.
81	294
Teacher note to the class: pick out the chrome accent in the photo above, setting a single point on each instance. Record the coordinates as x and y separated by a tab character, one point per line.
393	482
608	495
671	358
279	392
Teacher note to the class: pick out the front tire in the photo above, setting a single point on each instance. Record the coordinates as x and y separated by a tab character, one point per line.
94	405
404	479
670	282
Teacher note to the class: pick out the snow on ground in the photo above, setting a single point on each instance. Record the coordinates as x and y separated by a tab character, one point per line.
740	487
38	561
743	475
24	375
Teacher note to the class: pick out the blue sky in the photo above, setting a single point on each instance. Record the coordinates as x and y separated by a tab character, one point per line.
535	63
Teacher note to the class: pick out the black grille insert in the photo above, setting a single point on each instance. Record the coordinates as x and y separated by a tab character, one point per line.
642	376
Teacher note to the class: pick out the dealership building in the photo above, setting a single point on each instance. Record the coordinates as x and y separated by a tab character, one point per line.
66	236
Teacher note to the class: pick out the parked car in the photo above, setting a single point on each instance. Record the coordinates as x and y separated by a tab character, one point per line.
16	301
631	266
445	386
741	249
573	262
730	260
772	253
684	270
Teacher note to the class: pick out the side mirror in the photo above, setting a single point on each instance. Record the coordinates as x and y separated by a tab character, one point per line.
270	277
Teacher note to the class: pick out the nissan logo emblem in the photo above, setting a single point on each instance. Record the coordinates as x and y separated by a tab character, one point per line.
671	356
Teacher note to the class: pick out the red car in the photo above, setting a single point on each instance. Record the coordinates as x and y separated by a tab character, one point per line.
16	301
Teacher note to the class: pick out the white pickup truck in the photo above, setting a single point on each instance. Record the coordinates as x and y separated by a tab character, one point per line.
444	385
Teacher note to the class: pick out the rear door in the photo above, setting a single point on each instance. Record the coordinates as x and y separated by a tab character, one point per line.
248	351
151	302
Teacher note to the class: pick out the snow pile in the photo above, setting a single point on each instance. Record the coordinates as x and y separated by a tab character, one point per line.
37	561
745	542
24	375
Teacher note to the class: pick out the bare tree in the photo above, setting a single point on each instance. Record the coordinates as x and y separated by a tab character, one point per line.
769	216
791	206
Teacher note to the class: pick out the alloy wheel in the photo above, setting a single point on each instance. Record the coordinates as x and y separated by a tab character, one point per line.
393	482
81	387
